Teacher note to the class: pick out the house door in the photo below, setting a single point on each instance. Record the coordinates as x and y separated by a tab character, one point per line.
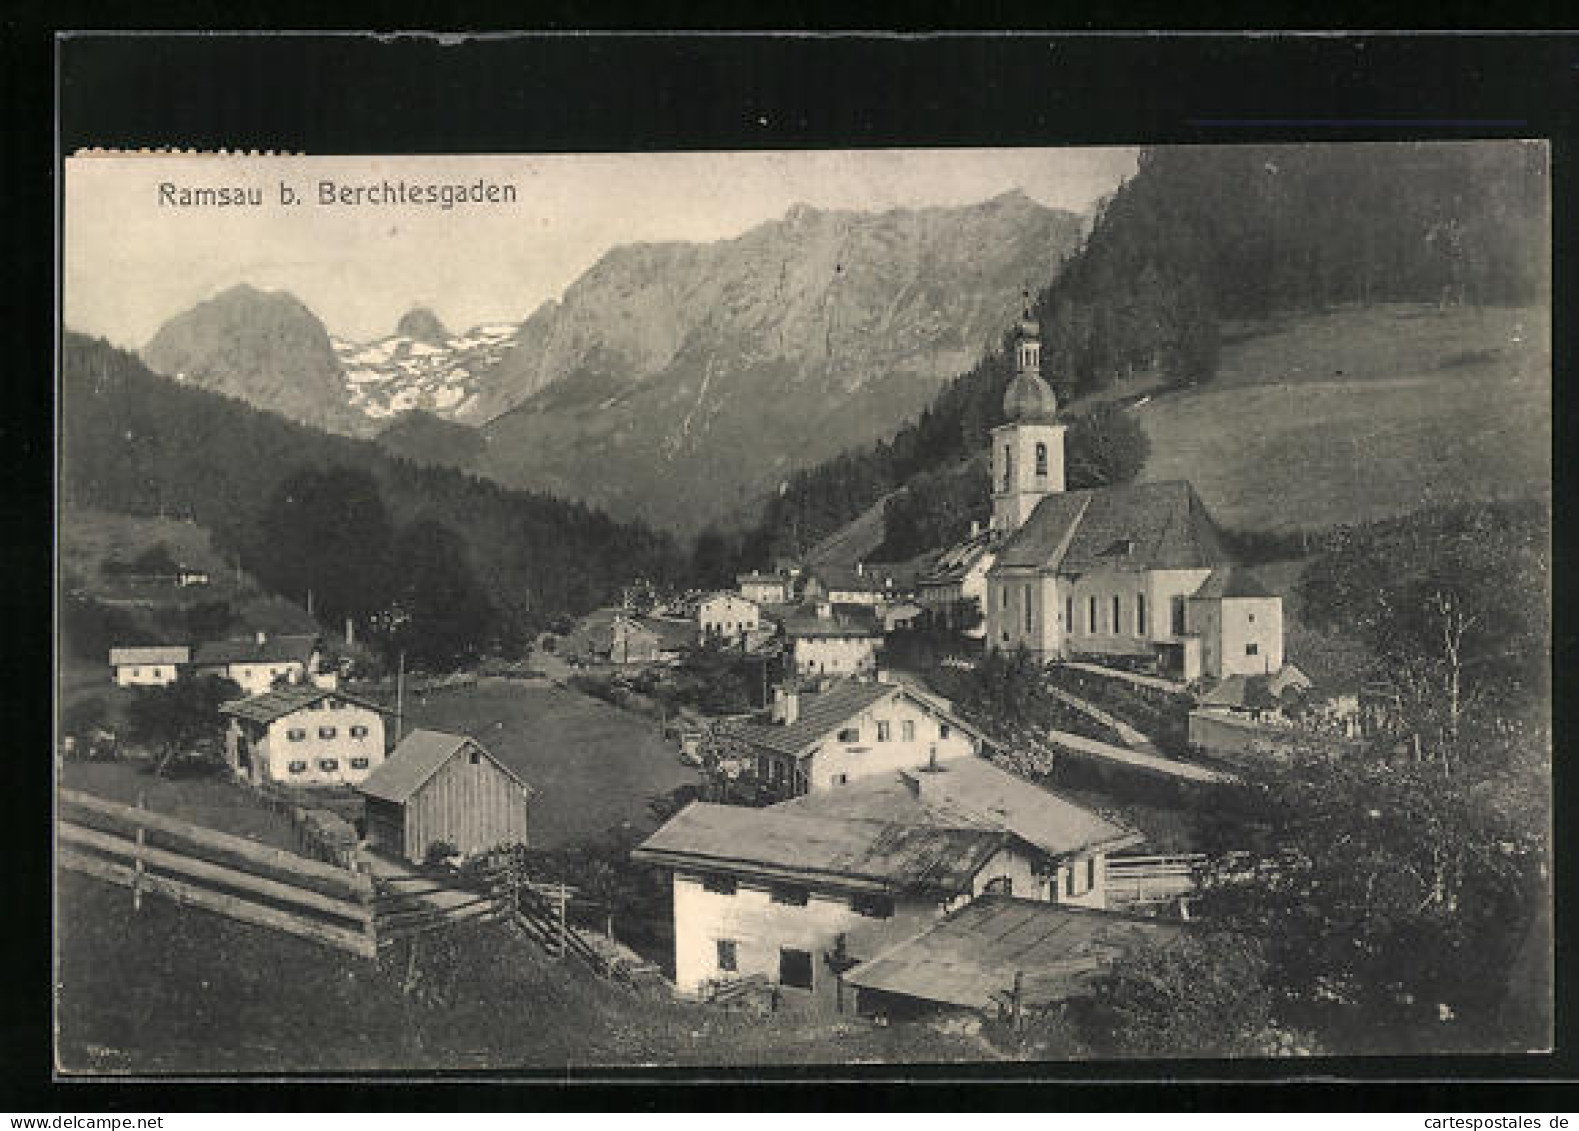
795	968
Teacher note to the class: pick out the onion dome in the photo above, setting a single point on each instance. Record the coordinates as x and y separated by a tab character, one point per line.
1030	399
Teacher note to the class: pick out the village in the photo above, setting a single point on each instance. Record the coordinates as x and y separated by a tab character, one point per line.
831	831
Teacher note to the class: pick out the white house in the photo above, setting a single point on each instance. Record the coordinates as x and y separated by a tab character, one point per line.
802	891
255	663
1135	571
303	736
765	588
727	617
834	642
812	741
148	667
954	590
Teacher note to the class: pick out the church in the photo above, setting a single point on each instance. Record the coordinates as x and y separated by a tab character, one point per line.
1128	573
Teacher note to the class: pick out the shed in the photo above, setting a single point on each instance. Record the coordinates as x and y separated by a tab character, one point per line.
437	787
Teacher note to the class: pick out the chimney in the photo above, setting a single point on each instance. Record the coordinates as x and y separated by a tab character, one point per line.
975	528
786	705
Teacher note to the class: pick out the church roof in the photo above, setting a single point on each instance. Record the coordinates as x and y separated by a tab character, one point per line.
1135	526
1229	582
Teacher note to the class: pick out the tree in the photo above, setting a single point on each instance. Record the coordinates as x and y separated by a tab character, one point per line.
439	614
1198	995
155	561
326	533
178	718
1383	893
1106	447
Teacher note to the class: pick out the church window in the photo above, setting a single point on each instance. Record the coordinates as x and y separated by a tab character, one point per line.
1091	615
1069	613
1140	614
1007	459
1250	649
1041	459
1117	617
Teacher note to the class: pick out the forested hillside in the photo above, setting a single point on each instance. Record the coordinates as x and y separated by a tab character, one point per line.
375	536
1201	237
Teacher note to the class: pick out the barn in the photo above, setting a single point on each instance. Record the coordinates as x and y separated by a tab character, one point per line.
443	788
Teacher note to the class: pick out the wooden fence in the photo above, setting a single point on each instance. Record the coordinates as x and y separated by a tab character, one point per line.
1151	879
199	867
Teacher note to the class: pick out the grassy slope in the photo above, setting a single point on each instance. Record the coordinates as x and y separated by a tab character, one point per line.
594	766
180	990
1363	413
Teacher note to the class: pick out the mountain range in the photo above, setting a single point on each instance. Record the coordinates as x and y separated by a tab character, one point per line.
677	382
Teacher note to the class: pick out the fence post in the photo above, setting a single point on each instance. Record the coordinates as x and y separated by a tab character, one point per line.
137	859
366	896
564	943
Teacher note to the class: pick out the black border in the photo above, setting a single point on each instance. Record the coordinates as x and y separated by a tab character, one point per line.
563	92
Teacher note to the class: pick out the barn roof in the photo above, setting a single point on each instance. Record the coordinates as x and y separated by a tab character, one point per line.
282	701
271	650
971	793
970	958
418	757
773	844
157	654
1136	526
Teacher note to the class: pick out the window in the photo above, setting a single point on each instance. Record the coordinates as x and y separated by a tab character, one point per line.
1041	460
1140	614
719	885
358	732
1003	597
326	732
850	734
1006	471
359	763
999	885
136	672
727	957
907	730
1091	615
297	734
1252	649
1069	613
840	779
790	895
1252	620
884	730
943	730
795	968
1178	616
873	906
298	767
475	756
1078	879
328	765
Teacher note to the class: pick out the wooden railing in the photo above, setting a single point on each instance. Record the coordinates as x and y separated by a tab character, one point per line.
215	871
1151	879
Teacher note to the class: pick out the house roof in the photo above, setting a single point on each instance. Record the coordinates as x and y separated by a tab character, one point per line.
864	578
671	634
971	792
1228	582
761	579
776	844
418	757
278	703
273	650
157	654
1137	526
818	714
726	595
971	957
1242	692
954	563
842	621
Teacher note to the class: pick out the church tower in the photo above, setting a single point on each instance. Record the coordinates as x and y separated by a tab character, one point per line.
1028	448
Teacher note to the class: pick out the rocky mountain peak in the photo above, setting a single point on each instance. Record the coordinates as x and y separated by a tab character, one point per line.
421	325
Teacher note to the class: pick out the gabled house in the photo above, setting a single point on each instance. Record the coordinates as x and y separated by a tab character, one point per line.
157	666
727	617
444	789
765	588
826	640
256	662
953	590
303	736
815	740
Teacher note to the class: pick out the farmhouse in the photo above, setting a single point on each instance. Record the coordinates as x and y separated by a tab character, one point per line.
824	640
727	617
148	667
303	736
815	740
1133	572
438	788
953	591
757	891
995	955
764	588
254	663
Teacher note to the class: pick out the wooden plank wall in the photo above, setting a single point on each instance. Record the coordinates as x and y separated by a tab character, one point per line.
473	807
